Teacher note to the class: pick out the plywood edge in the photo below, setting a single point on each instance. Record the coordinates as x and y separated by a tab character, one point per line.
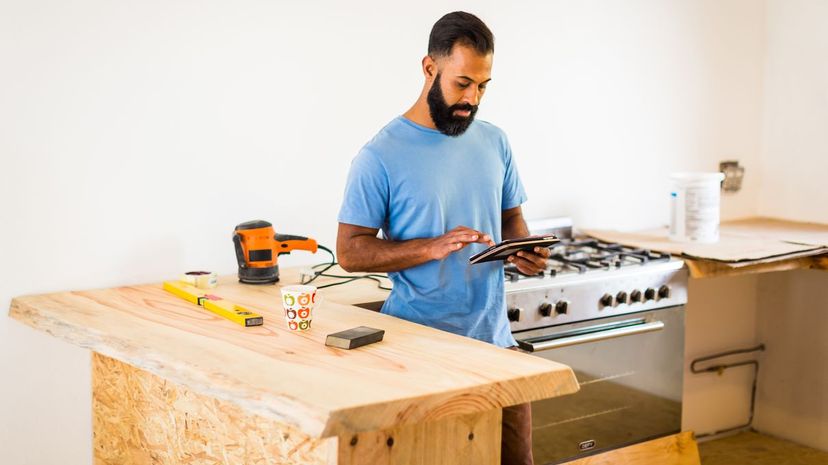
467	401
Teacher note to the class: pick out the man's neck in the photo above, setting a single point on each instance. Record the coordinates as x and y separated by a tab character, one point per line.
419	114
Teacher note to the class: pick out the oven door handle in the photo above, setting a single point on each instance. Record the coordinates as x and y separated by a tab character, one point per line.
592	337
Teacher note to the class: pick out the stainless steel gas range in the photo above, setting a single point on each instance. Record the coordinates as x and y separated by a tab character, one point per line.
616	316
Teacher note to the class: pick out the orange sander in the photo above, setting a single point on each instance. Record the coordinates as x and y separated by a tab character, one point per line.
258	249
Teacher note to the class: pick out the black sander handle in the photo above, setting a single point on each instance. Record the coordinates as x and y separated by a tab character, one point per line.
239	251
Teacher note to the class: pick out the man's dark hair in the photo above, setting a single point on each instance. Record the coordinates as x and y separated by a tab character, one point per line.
459	27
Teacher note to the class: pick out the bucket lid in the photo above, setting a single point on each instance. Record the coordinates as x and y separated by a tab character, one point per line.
698	176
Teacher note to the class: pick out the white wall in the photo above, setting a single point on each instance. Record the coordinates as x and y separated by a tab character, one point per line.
135	135
603	99
793	307
794	155
720	316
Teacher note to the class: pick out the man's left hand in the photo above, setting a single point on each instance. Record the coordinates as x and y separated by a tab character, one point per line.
530	263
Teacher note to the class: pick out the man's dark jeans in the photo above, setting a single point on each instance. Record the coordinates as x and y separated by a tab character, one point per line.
516	440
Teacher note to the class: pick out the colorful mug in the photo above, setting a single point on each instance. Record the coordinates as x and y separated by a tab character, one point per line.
298	301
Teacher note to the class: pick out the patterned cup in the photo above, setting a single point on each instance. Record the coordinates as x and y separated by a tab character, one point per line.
298	301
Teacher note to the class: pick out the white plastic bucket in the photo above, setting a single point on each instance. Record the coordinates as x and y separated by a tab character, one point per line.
694	206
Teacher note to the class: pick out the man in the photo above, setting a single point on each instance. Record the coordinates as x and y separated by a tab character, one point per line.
442	186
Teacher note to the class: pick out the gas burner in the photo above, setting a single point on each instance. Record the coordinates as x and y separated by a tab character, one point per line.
513	275
577	265
583	255
561	267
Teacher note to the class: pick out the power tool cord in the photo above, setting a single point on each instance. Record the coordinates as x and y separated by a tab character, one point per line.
346	278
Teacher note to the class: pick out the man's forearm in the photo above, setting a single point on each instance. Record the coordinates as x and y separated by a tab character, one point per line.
369	253
513	226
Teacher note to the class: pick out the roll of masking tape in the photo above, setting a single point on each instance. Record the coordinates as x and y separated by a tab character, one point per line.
200	279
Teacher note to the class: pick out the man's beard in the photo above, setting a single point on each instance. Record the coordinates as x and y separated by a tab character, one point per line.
443	115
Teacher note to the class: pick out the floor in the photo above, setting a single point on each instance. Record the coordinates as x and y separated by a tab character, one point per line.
758	449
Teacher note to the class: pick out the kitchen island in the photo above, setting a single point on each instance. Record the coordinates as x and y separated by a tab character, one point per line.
174	383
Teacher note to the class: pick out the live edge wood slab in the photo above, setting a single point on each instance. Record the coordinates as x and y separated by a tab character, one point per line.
173	383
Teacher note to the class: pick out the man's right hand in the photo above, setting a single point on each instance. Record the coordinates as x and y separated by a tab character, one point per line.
359	249
441	247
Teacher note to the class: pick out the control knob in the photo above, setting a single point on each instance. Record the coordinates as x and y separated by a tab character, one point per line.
606	300
635	296
621	298
545	309
561	307
664	292
649	294
513	314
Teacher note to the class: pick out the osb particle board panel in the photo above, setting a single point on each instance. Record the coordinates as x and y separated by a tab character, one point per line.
139	418
415	374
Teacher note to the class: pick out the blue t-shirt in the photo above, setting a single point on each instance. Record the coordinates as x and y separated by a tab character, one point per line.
415	182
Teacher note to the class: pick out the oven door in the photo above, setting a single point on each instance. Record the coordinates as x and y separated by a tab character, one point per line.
630	370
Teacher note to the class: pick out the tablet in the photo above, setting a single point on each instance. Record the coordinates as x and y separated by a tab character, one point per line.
512	246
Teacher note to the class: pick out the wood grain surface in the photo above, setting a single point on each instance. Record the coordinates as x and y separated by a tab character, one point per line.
415	374
460	440
678	449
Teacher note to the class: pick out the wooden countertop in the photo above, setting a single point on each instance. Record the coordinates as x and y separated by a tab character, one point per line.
750	245
415	374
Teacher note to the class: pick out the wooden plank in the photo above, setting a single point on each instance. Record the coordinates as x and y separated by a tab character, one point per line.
678	449
416	374
139	418
711	269
462	440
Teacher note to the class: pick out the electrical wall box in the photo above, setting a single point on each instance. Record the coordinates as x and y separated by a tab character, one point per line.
733	175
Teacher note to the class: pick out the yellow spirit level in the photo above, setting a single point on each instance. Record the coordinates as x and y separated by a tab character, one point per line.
233	312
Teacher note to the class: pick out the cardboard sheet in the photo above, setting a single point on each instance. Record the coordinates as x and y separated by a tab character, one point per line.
741	242
787	231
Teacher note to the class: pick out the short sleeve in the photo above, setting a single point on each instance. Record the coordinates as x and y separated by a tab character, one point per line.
513	192
365	202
